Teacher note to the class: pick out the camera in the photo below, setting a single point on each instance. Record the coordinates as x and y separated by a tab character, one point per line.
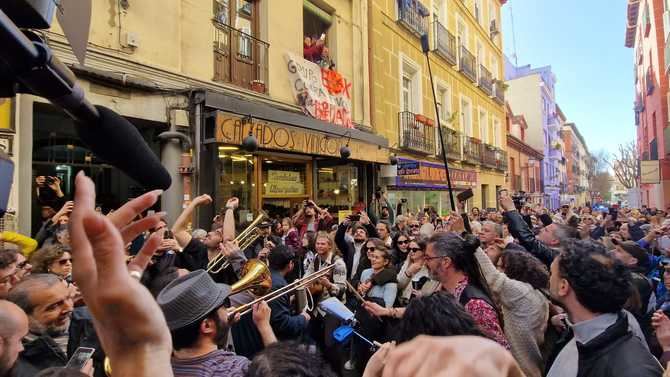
49	181
519	200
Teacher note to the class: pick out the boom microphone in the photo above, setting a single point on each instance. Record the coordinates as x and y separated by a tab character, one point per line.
129	152
30	62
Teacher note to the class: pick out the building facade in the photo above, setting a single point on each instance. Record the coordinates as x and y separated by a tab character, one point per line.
215	72
647	36
466	59
577	165
531	93
524	160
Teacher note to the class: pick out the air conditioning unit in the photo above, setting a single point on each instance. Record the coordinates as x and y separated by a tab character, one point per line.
493	29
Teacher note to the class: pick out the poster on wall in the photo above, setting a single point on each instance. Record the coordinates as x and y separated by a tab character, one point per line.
281	182
322	93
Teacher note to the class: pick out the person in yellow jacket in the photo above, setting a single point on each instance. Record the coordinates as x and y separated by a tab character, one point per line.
26	244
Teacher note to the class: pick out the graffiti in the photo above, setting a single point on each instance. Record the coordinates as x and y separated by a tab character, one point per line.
322	93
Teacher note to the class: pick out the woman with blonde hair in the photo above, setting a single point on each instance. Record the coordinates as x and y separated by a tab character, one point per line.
54	259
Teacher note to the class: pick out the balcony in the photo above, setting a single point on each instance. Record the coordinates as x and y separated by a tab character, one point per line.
501	160
415	133
240	59
445	43
452	142
412	15
489	156
650	81
485	80
499	92
472	150
467	64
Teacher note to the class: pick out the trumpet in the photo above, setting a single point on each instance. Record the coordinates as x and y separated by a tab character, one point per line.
243	240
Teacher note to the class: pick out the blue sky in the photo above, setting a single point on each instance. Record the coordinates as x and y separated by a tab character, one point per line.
583	41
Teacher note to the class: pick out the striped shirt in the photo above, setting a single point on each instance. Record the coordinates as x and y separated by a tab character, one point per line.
218	363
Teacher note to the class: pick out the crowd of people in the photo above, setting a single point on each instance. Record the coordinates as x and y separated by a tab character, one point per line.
521	291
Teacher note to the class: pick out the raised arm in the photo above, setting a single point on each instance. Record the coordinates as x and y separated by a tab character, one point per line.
180	227
229	219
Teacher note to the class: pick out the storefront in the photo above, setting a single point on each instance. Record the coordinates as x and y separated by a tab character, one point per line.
421	184
292	164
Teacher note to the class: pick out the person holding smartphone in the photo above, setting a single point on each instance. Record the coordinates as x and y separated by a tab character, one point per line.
310	217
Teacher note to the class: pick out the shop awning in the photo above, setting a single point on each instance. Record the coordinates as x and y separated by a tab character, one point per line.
266	112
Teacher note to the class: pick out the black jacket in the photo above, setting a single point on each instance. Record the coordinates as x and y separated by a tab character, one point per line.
285	325
43	352
614	353
520	230
347	249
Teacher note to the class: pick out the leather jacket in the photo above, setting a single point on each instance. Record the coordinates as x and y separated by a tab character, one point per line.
520	230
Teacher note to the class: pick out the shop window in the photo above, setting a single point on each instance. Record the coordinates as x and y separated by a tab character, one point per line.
338	186
285	185
236	179
317	33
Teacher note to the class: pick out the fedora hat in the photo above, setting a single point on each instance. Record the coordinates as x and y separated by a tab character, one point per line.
191	297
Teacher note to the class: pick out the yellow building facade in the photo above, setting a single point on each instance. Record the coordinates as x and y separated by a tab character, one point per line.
467	61
216	71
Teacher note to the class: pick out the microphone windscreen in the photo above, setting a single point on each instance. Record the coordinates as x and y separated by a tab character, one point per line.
425	46
115	140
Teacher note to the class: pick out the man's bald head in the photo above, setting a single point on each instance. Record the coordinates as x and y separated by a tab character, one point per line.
13	327
11	319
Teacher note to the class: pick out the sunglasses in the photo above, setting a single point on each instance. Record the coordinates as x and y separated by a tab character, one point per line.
404	242
414	249
22	265
370	248
63	262
414	226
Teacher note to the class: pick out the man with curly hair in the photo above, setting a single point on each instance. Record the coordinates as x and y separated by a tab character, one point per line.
593	287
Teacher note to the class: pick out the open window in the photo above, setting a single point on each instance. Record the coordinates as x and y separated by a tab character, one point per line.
317	31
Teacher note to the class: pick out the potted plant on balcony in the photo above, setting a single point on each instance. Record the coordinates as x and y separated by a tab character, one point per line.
419	118
258	86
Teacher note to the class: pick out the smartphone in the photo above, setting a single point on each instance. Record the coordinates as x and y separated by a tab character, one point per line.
355	217
80	358
614	213
6	178
465	195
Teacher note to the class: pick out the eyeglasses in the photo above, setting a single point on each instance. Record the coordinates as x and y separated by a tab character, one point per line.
403	242
7	279
370	248
414	226
63	262
22	265
415	249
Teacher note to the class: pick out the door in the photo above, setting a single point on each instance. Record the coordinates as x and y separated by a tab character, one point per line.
235	48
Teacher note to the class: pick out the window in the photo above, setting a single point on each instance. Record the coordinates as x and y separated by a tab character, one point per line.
483	126
494	67
462	32
316	25
478	11
466	116
444	104
496	133
440	11
410	90
480	54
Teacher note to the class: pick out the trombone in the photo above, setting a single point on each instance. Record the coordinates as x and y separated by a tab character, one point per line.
256	277
243	240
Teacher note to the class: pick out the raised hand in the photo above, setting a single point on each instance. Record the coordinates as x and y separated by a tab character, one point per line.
129	323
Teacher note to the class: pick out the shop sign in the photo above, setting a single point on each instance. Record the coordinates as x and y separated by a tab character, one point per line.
408	168
280	137
321	93
281	182
432	175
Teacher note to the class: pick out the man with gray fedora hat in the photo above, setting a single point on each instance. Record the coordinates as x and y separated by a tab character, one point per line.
195	311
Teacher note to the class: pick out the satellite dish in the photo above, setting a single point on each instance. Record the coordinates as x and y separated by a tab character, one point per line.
74	17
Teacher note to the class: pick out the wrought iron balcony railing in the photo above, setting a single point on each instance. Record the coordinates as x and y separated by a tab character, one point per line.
472	150
240	58
467	64
412	15
485	80
445	43
415	135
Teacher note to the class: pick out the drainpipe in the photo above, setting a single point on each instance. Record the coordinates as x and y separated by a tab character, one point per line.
171	157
